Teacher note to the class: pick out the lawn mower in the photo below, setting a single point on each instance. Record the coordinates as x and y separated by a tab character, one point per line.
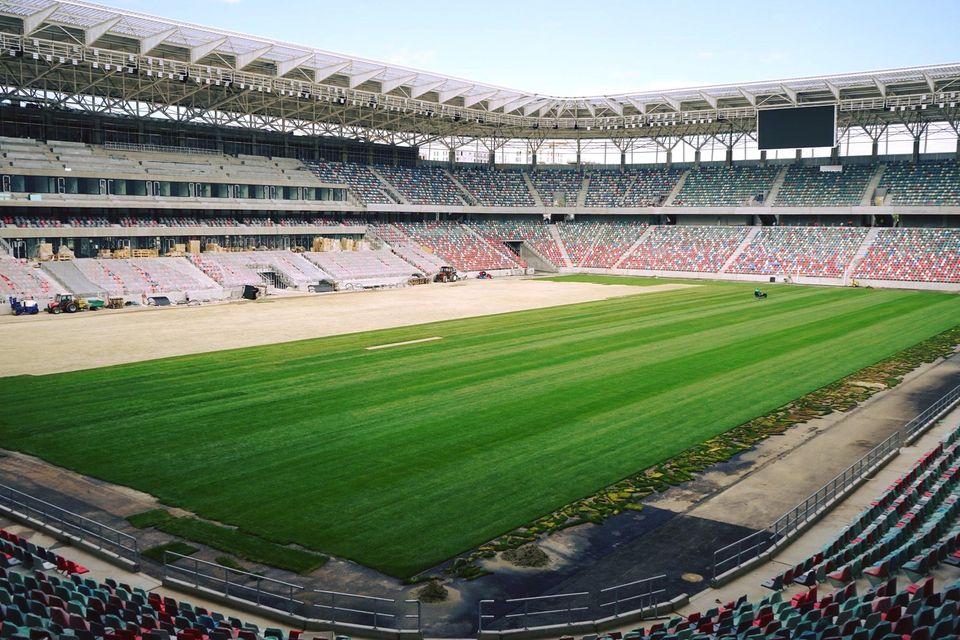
26	307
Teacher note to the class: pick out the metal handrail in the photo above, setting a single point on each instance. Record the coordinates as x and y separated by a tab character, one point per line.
751	547
271	592
159	148
920	423
783	528
564	606
90	531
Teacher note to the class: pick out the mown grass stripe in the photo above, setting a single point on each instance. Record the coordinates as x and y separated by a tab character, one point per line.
401	458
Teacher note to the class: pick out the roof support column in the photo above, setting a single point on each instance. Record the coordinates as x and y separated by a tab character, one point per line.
953	119
729	140
696	142
492	145
667	144
453	143
918	129
533	146
624	145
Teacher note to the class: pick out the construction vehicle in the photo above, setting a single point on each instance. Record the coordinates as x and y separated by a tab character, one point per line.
26	307
447	274
69	303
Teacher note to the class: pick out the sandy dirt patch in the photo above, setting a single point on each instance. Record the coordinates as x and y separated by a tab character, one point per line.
48	344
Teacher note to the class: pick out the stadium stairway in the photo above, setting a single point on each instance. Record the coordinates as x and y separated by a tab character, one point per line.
563	248
668	201
464	192
533	189
861	251
582	195
775	187
871	188
388	187
746	242
67	274
501	249
633	247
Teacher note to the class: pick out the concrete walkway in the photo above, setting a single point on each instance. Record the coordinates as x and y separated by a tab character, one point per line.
831	524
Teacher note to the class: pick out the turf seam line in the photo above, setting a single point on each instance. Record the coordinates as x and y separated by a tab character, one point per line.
400	344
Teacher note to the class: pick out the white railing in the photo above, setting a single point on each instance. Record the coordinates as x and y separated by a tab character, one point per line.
750	549
348	611
96	534
634	599
160	148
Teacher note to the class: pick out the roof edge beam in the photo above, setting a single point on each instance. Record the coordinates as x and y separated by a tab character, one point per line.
614	106
244	60
201	51
286	66
387	86
323	73
357	79
469	101
515	104
93	33
33	21
790	93
449	94
150	43
426	87
882	88
674	104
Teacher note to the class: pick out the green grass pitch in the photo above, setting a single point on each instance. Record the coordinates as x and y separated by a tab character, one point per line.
403	457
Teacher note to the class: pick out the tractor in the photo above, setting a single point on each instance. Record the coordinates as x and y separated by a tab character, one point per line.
26	307
69	303
447	274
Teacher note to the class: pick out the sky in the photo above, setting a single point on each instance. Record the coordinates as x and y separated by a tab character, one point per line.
590	48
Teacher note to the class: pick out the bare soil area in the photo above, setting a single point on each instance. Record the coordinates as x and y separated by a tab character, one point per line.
43	344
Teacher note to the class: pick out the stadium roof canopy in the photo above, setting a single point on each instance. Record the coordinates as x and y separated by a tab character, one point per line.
79	54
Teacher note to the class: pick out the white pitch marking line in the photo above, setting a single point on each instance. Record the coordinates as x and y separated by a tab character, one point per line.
399	344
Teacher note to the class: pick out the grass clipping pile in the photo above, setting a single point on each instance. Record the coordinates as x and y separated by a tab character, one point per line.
840	396
528	556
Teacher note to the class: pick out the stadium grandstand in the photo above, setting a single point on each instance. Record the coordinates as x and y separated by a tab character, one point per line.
380	352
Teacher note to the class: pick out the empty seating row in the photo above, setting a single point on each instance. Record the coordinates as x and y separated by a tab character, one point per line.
686	248
423	185
808	251
280	269
534	232
557	187
812	187
361	182
150	276
496	188
462	249
912	526
913	255
927	183
734	186
632	187
377	267
40	605
918	612
599	244
25	280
